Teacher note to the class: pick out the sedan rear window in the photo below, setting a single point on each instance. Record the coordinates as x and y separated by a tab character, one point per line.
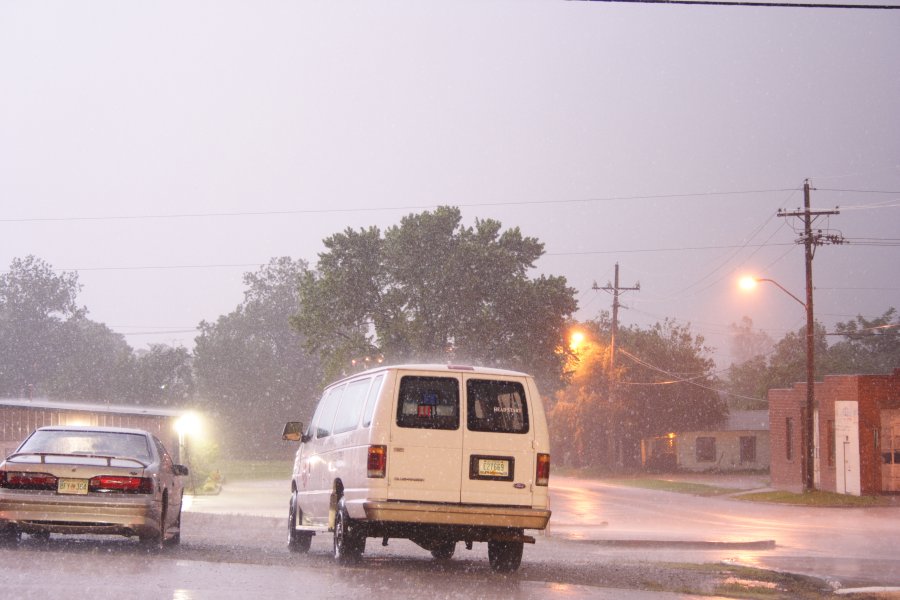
88	443
428	403
496	406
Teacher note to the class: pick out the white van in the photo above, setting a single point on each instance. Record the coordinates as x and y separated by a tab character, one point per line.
438	454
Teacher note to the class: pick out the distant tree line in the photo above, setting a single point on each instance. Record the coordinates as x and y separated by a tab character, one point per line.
428	289
859	346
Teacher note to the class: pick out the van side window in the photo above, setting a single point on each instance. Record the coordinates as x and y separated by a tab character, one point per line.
428	403
311	428
351	406
496	406
370	403
328	408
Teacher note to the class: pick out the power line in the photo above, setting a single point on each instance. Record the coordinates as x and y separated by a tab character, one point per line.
754	4
677	249
264	213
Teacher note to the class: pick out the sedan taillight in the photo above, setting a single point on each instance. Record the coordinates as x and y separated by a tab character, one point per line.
377	462
23	480
542	475
127	485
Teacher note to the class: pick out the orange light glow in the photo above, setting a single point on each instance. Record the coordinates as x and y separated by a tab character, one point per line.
576	340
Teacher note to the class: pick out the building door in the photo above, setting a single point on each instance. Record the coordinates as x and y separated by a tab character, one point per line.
890	450
846	429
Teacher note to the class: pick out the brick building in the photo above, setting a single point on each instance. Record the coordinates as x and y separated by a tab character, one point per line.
856	435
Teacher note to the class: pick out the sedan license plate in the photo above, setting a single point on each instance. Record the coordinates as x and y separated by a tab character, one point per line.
490	467
72	486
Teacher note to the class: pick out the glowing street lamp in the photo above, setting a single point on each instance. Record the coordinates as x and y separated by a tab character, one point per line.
576	339
749	283
187	425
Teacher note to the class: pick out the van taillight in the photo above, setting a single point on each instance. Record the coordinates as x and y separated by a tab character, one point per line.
542	474
377	461
128	485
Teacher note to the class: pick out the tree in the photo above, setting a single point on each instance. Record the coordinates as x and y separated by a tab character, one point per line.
431	289
663	383
867	347
162	376
92	363
747	378
747	343
35	303
252	371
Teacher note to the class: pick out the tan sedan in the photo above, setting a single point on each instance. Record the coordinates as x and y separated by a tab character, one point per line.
91	480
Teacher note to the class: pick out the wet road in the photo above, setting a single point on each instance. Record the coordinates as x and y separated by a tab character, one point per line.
604	542
848	545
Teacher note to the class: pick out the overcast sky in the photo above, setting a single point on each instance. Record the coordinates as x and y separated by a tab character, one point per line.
664	138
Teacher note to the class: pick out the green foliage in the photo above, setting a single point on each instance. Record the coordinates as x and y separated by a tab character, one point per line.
863	347
252	371
35	305
48	346
430	289
161	376
663	383
866	346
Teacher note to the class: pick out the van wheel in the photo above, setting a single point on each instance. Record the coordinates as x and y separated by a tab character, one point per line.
443	551
505	557
9	535
298	541
349	540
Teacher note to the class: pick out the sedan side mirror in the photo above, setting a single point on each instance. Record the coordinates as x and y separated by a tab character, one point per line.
293	432
181	470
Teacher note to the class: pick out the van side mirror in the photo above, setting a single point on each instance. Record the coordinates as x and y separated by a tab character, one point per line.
293	432
181	470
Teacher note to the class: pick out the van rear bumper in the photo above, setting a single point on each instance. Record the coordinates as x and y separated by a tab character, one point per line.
469	515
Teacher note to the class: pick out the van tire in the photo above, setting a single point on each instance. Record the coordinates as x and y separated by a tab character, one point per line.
505	557
349	539
443	551
298	541
9	535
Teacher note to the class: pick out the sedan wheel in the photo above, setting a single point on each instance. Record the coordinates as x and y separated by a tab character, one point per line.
156	541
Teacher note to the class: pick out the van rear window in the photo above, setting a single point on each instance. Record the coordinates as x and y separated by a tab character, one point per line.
496	406
428	403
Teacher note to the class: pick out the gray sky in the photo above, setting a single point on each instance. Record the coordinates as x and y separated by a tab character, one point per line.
661	137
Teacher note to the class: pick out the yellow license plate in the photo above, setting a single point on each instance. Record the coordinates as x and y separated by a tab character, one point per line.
72	486
493	468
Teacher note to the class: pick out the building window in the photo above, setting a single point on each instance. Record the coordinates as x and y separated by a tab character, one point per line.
789	438
706	449
748	449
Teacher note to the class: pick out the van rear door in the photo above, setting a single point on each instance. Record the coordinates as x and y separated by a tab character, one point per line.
425	456
498	442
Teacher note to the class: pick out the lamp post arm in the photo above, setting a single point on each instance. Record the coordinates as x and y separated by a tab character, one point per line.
783	289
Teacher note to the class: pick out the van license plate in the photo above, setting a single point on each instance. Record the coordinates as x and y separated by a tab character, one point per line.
72	486
488	467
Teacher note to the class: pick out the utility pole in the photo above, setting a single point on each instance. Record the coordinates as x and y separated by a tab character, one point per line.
810	240
615	289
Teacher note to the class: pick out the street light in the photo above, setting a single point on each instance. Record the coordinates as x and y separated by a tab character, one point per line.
748	283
